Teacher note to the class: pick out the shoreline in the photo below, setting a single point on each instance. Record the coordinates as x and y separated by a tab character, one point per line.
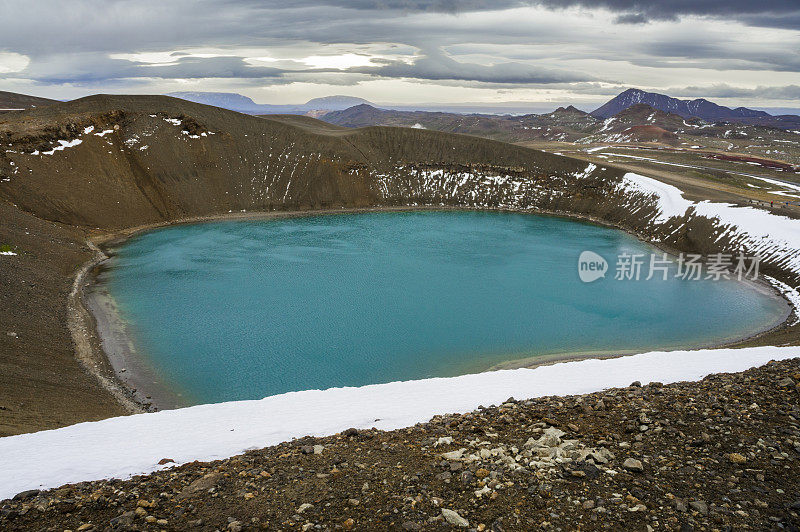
82	326
131	368
142	389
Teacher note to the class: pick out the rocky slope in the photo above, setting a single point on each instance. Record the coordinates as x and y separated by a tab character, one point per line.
12	100
113	162
722	454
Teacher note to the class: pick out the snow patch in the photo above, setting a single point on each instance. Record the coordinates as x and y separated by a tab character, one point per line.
129	445
63	144
586	173
8	253
790	186
786	194
792	294
670	199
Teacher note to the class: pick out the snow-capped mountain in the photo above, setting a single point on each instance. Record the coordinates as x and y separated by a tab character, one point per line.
700	108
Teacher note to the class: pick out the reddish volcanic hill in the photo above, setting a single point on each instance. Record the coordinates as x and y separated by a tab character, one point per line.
650	134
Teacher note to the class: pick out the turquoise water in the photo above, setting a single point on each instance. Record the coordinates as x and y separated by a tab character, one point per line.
246	309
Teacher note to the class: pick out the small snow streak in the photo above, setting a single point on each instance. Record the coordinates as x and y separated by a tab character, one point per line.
63	144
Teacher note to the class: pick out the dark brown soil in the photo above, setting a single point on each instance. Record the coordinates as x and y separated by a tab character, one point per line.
42	384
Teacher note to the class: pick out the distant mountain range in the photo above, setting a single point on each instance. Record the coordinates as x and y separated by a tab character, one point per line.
699	108
243	104
566	124
637	123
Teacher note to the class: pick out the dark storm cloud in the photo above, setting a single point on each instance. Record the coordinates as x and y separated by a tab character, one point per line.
435	65
631	18
718	55
670	9
770	13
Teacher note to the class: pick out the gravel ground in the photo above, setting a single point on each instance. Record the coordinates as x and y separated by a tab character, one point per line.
721	454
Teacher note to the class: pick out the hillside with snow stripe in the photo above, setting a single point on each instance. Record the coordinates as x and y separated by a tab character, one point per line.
671	202
755	231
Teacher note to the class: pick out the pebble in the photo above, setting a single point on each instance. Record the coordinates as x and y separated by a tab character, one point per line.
483	491
737	458
454	455
632	464
454	519
25	495
699	506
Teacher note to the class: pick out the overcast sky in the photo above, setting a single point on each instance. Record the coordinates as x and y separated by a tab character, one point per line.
737	52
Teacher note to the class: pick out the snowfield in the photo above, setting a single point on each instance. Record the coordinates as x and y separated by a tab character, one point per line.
124	446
